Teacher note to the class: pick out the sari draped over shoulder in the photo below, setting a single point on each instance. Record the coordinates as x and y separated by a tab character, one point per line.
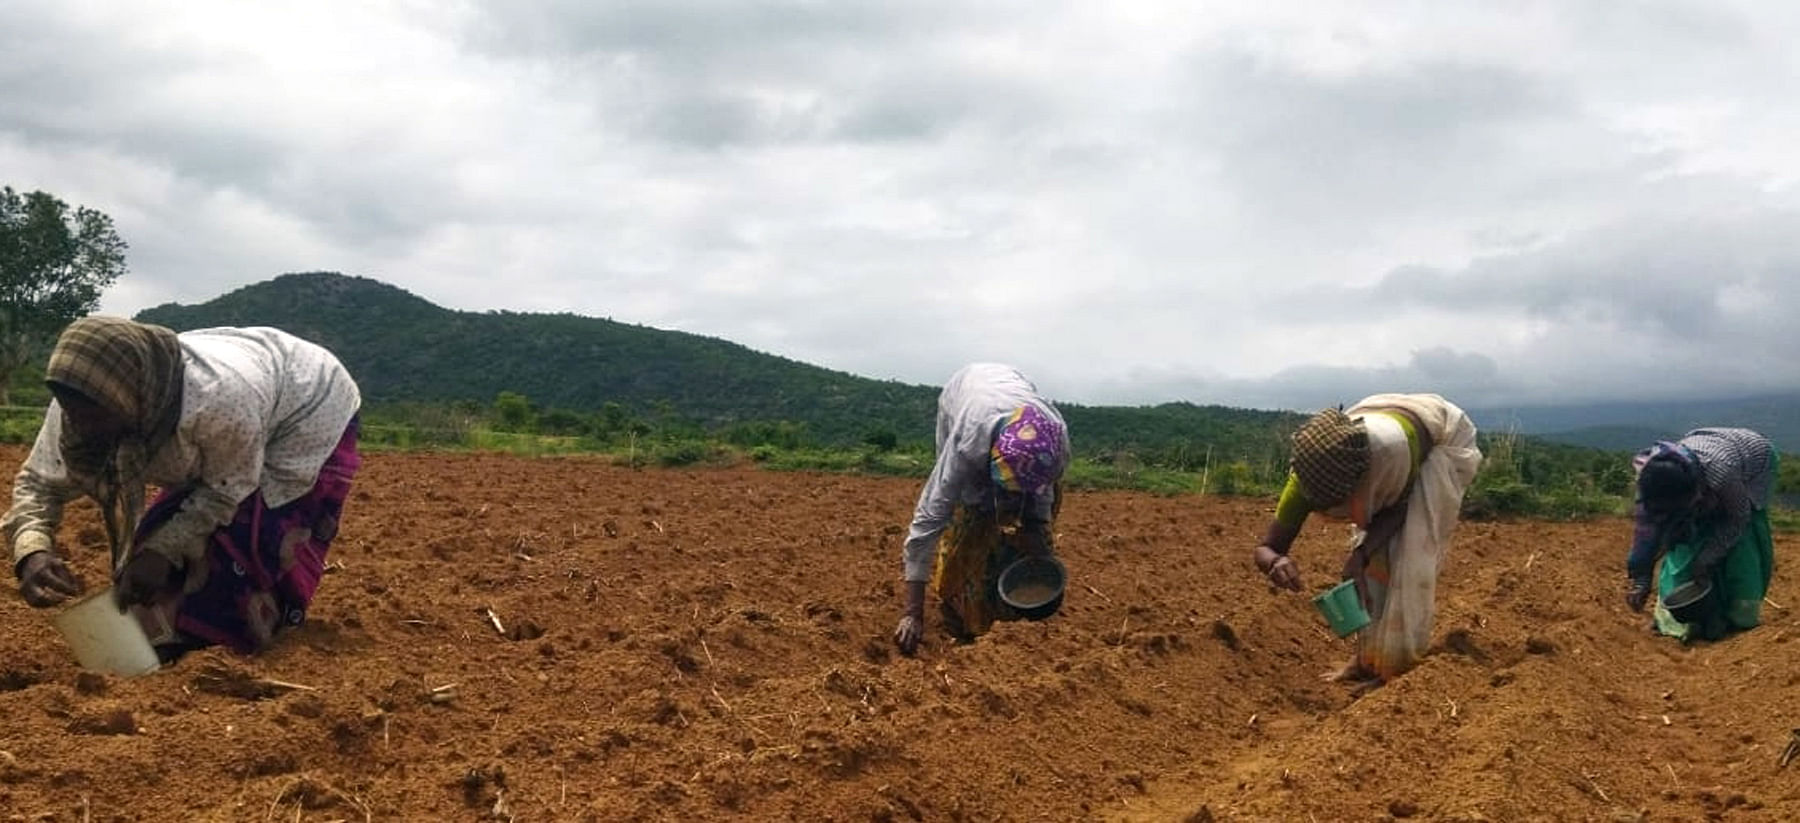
1402	573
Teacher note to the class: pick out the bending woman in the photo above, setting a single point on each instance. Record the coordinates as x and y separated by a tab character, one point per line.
1396	466
250	435
992	496
1703	510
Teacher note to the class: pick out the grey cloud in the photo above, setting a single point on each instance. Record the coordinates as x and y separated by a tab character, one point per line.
70	85
1464	377
1443	363
1467	378
912	102
61	77
1317	152
1655	276
858	184
709	75
913	111
709	121
703	33
890	108
1662	27
1650	308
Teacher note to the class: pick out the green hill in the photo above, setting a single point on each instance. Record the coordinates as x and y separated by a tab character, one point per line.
615	382
402	349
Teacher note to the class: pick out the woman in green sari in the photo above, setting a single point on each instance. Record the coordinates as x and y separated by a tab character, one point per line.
1703	511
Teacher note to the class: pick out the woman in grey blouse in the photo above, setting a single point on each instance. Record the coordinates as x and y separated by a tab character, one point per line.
991	496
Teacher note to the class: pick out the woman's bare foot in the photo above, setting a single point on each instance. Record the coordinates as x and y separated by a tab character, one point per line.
1352	672
1365	687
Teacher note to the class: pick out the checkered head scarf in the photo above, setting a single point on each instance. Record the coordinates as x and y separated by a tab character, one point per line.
1028	454
134	372
1331	453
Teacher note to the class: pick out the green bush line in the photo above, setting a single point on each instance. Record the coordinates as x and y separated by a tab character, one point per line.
1500	489
1519	477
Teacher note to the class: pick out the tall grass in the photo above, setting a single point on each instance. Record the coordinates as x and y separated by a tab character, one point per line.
1524	478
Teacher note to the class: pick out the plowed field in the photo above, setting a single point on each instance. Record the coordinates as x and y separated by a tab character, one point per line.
563	639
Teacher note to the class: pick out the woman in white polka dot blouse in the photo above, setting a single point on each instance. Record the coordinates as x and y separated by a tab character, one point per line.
250	436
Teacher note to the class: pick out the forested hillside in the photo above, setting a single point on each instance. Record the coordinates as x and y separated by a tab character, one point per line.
404	349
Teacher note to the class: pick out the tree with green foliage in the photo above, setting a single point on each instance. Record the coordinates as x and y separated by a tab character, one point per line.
562	423
611	419
881	439
514	412
54	263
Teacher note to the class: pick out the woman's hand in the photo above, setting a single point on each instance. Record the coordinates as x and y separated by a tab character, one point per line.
912	620
146	578
908	633
44	580
1281	570
1638	596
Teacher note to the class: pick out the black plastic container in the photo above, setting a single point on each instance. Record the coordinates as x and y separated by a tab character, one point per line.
1689	601
1033	586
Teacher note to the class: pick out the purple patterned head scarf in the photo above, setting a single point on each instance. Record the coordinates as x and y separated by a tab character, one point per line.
1028	454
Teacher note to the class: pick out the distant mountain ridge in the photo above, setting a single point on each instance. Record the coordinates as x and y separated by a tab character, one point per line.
1620	426
401	348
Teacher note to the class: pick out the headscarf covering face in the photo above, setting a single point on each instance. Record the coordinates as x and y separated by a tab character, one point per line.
1028	454
1331	454
134	372
1668	476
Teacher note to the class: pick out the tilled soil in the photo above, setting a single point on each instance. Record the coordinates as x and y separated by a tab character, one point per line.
562	639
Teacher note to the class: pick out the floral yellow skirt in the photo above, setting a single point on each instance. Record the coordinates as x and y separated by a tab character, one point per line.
975	548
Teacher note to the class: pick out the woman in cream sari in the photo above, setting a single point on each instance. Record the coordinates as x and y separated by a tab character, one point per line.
1396	467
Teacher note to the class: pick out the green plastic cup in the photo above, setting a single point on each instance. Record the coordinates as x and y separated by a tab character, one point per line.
1342	608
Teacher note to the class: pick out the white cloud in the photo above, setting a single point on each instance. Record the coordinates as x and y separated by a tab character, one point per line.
1247	203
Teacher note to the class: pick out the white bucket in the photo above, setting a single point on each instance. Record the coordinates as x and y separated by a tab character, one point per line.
104	639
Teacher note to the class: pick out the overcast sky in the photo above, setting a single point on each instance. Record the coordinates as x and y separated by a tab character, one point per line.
1270	204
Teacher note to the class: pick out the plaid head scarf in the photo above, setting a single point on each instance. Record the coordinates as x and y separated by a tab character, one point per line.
134	372
1331	453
